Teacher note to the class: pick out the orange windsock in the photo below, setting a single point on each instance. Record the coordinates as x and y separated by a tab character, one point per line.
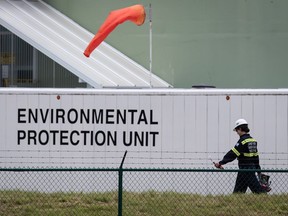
135	14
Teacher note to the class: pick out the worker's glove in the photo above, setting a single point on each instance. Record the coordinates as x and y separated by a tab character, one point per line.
218	165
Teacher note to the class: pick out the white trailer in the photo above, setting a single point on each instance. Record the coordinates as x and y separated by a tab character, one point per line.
165	128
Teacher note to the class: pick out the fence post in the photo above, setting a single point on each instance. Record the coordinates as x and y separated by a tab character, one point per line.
120	185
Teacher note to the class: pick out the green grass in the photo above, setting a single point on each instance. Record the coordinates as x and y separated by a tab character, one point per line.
147	203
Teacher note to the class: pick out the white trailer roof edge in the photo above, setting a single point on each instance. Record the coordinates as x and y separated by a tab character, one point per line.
153	91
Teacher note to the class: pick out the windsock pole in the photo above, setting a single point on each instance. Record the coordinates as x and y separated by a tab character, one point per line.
150	43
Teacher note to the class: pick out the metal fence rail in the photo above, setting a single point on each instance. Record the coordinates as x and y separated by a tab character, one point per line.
136	192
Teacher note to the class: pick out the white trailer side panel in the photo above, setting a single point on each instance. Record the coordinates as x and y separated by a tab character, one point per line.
171	128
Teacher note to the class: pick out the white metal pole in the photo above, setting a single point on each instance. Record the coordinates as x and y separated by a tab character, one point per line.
150	42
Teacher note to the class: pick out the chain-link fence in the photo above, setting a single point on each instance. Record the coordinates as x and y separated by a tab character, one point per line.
136	192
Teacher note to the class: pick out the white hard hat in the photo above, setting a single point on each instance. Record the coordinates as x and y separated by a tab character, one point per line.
240	122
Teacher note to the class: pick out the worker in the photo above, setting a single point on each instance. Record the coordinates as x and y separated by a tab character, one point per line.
246	152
